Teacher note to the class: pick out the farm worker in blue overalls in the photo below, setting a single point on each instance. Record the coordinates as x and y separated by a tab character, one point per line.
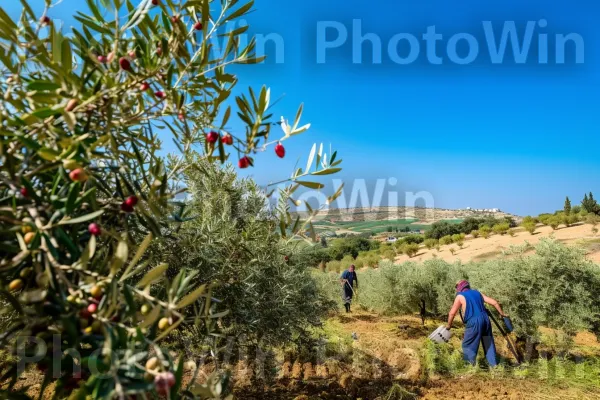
348	279
477	322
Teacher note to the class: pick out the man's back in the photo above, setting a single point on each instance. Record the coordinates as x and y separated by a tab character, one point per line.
474	305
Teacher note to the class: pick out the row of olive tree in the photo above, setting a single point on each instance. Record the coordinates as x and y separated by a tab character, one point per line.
556	288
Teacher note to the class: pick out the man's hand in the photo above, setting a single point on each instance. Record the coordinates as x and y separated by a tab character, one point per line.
448	327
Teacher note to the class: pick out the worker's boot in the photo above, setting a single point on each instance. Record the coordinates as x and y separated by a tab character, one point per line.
347	307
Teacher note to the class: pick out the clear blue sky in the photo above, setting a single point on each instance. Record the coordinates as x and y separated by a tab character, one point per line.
517	137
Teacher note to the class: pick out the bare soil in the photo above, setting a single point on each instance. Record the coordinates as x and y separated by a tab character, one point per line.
385	364
387	353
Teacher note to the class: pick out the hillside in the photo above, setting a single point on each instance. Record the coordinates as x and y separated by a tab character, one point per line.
478	249
381	219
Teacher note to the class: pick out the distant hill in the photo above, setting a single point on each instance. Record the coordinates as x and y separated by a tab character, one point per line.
382	219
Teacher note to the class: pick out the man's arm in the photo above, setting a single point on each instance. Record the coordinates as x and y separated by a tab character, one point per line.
493	303
343	278
455	307
355	280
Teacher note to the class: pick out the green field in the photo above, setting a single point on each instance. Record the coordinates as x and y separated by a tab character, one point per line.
373	226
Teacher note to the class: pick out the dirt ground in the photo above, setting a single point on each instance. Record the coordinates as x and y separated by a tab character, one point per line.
481	249
380	358
387	351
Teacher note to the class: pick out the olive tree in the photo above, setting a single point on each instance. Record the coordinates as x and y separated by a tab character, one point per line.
85	192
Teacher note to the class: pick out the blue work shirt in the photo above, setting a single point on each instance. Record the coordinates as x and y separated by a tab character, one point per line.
350	277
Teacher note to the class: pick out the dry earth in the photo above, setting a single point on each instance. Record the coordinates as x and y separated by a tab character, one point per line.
387	351
384	352
482	249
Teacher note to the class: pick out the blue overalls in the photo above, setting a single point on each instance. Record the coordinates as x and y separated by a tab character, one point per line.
347	290
478	329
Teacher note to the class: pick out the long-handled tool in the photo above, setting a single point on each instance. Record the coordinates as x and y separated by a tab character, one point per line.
511	346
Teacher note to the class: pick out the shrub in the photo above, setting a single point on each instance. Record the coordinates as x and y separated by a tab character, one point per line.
553	222
389	254
446	240
573	219
359	262
554	288
485	231
501	229
334	266
352	245
564	219
545	218
475	234
232	236
430	243
452	250
510	221
529	227
413	239
458	237
426	288
512	232
311	256
470	224
440	229
529	220
411	249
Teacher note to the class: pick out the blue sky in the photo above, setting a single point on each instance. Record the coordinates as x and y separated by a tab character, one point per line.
517	137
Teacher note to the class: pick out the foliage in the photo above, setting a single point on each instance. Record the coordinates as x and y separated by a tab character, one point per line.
590	204
470	224
473	224
545	218
556	287
529	227
413	239
409	287
475	233
458	238
440	229
529	220
485	231
567	207
553	222
311	256
410	249
501	229
86	199
445	240
351	245
233	239
430	243
593	219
